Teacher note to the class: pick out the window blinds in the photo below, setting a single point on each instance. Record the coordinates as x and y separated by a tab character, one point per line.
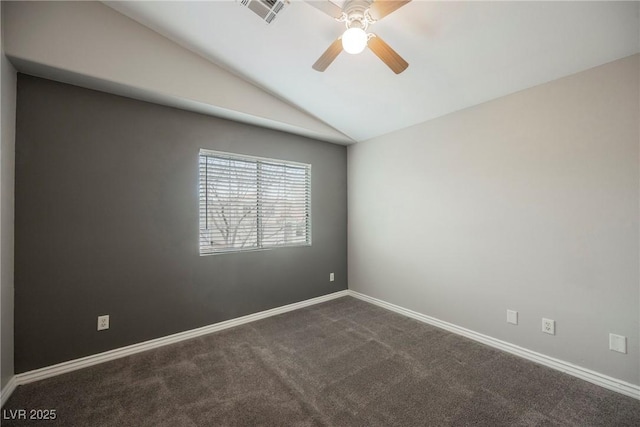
249	203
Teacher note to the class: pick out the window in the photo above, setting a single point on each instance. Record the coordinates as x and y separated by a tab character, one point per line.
249	203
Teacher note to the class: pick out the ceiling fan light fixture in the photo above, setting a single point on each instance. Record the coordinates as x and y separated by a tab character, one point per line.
354	40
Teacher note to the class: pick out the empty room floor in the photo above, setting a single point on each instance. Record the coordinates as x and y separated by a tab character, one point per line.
341	363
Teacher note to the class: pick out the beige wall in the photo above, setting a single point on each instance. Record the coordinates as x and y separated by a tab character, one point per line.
7	150
529	202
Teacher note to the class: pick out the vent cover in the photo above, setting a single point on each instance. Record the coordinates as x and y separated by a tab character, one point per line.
265	9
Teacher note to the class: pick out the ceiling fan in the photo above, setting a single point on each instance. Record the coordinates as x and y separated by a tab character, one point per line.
357	16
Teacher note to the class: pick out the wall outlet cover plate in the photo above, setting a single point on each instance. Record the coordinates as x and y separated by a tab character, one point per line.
103	322
548	326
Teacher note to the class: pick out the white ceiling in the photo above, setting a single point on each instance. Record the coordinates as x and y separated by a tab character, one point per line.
460	53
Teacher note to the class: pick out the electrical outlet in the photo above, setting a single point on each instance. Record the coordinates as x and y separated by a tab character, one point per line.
331	277
512	317
548	326
618	343
103	322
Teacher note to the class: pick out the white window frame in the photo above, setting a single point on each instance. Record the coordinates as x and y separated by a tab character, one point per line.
208	250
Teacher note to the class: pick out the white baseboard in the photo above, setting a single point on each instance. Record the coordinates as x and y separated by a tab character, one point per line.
73	365
7	390
602	380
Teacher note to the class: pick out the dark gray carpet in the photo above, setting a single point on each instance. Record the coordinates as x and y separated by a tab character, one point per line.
341	363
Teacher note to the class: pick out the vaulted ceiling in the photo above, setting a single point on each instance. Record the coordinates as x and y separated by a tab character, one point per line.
460	54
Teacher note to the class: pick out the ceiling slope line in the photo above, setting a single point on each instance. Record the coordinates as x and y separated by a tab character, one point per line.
117	6
90	44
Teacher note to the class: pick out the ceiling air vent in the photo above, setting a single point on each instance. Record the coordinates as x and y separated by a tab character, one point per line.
265	9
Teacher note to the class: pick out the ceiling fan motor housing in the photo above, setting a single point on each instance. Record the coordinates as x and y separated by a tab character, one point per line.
356	14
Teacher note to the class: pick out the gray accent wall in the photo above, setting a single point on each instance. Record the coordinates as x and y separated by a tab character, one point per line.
7	161
107	223
529	202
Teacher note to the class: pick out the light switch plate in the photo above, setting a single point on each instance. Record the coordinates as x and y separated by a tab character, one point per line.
618	343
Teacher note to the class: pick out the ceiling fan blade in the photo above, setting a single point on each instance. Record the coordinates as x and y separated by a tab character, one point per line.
381	8
387	55
328	56
327	7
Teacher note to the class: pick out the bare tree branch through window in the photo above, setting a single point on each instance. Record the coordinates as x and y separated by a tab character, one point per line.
252	203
